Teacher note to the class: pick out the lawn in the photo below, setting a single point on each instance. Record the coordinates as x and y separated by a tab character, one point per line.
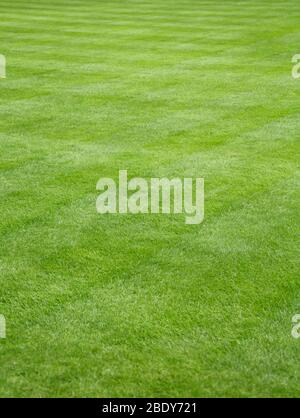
144	305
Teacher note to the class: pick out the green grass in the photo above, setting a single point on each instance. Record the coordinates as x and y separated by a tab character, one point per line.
145	305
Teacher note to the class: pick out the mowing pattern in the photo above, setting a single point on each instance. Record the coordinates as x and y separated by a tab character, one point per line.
145	305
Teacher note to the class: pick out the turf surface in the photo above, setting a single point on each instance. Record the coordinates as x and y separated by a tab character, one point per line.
145	305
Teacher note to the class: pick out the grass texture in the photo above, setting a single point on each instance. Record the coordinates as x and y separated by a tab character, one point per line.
144	305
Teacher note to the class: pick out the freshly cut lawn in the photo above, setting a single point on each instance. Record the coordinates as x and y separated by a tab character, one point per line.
145	305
